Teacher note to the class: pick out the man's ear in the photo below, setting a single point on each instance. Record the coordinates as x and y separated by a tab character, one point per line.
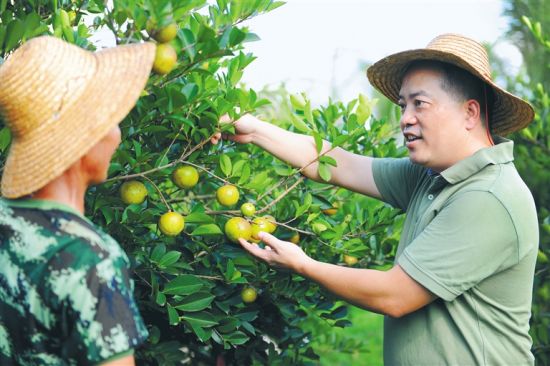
473	113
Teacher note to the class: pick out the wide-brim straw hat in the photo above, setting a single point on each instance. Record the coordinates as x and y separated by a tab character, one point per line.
59	100
507	114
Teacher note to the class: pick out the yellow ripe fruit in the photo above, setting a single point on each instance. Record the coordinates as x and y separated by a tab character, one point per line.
330	211
272	223
249	295
171	223
236	228
350	260
248	209
227	195
72	16
166	34
185	176
260	224
133	192
165	59
295	238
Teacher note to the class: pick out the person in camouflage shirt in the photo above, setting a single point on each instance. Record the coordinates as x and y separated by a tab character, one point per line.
65	287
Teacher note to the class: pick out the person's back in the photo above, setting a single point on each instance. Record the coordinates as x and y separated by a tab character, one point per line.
65	293
65	289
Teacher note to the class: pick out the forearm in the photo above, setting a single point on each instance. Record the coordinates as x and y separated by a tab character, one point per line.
295	149
366	288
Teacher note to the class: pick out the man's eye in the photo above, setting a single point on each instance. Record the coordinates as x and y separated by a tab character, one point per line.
401	106
418	103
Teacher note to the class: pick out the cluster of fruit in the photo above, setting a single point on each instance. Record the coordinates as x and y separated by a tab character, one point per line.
166	56
172	223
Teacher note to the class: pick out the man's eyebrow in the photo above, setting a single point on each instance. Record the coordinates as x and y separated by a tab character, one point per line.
415	94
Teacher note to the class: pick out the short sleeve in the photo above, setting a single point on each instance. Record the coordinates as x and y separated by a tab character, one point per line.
396	180
470	239
101	317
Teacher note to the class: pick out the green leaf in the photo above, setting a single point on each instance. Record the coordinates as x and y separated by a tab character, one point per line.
298	123
198	218
208	229
307	113
363	111
195	302
158	252
173	316
225	164
183	285
188	41
5	138
297	101
169	258
161	299
14	33
318	141
328	160
324	172
203	319
236	338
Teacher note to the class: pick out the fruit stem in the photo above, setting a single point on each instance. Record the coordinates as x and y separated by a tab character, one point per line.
159	191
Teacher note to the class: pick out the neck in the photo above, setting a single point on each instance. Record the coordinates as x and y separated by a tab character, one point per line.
69	189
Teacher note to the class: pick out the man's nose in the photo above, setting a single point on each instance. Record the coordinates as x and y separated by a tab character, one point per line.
407	118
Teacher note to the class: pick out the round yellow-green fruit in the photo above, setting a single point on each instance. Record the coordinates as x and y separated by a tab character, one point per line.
260	224
248	209
133	192
227	195
295	238
350	260
166	34
171	223
272	223
236	228
249	295
185	176
165	59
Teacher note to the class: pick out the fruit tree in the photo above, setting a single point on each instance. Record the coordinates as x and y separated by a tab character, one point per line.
176	203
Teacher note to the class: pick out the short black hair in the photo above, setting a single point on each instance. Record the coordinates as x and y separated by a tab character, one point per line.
457	82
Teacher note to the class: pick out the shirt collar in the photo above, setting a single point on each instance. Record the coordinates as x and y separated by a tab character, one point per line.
502	152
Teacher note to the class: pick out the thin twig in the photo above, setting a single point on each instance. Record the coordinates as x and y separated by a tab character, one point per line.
159	191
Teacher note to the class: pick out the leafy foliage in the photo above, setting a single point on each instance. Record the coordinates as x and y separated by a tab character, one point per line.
533	155
188	286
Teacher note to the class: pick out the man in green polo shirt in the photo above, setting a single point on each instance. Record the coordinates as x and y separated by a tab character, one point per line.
460	290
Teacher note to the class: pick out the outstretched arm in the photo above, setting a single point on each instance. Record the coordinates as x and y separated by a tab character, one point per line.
353	171
392	292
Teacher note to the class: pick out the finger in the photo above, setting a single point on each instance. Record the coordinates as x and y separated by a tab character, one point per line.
269	240
254	249
225	118
216	138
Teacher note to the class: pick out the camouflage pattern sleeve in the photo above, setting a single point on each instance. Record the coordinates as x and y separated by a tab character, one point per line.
99	315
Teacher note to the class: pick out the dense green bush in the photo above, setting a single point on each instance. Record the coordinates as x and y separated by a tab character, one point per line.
188	287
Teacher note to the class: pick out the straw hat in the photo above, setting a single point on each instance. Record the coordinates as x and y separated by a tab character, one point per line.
508	112
59	100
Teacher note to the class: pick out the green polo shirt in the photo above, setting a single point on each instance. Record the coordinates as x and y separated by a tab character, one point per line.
471	238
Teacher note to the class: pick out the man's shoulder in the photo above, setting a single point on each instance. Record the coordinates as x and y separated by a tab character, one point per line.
55	236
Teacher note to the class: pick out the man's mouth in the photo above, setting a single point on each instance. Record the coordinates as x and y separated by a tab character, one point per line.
411	138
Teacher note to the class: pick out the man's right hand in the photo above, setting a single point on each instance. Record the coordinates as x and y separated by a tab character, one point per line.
245	127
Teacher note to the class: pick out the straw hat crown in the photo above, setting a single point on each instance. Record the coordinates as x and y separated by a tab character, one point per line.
507	114
59	100
40	81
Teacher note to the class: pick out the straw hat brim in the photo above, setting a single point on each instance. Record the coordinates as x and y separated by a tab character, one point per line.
45	153
508	113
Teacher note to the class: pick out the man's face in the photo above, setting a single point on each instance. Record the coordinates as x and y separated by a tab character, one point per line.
432	121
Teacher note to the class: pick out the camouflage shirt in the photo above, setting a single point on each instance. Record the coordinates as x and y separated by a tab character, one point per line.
65	292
